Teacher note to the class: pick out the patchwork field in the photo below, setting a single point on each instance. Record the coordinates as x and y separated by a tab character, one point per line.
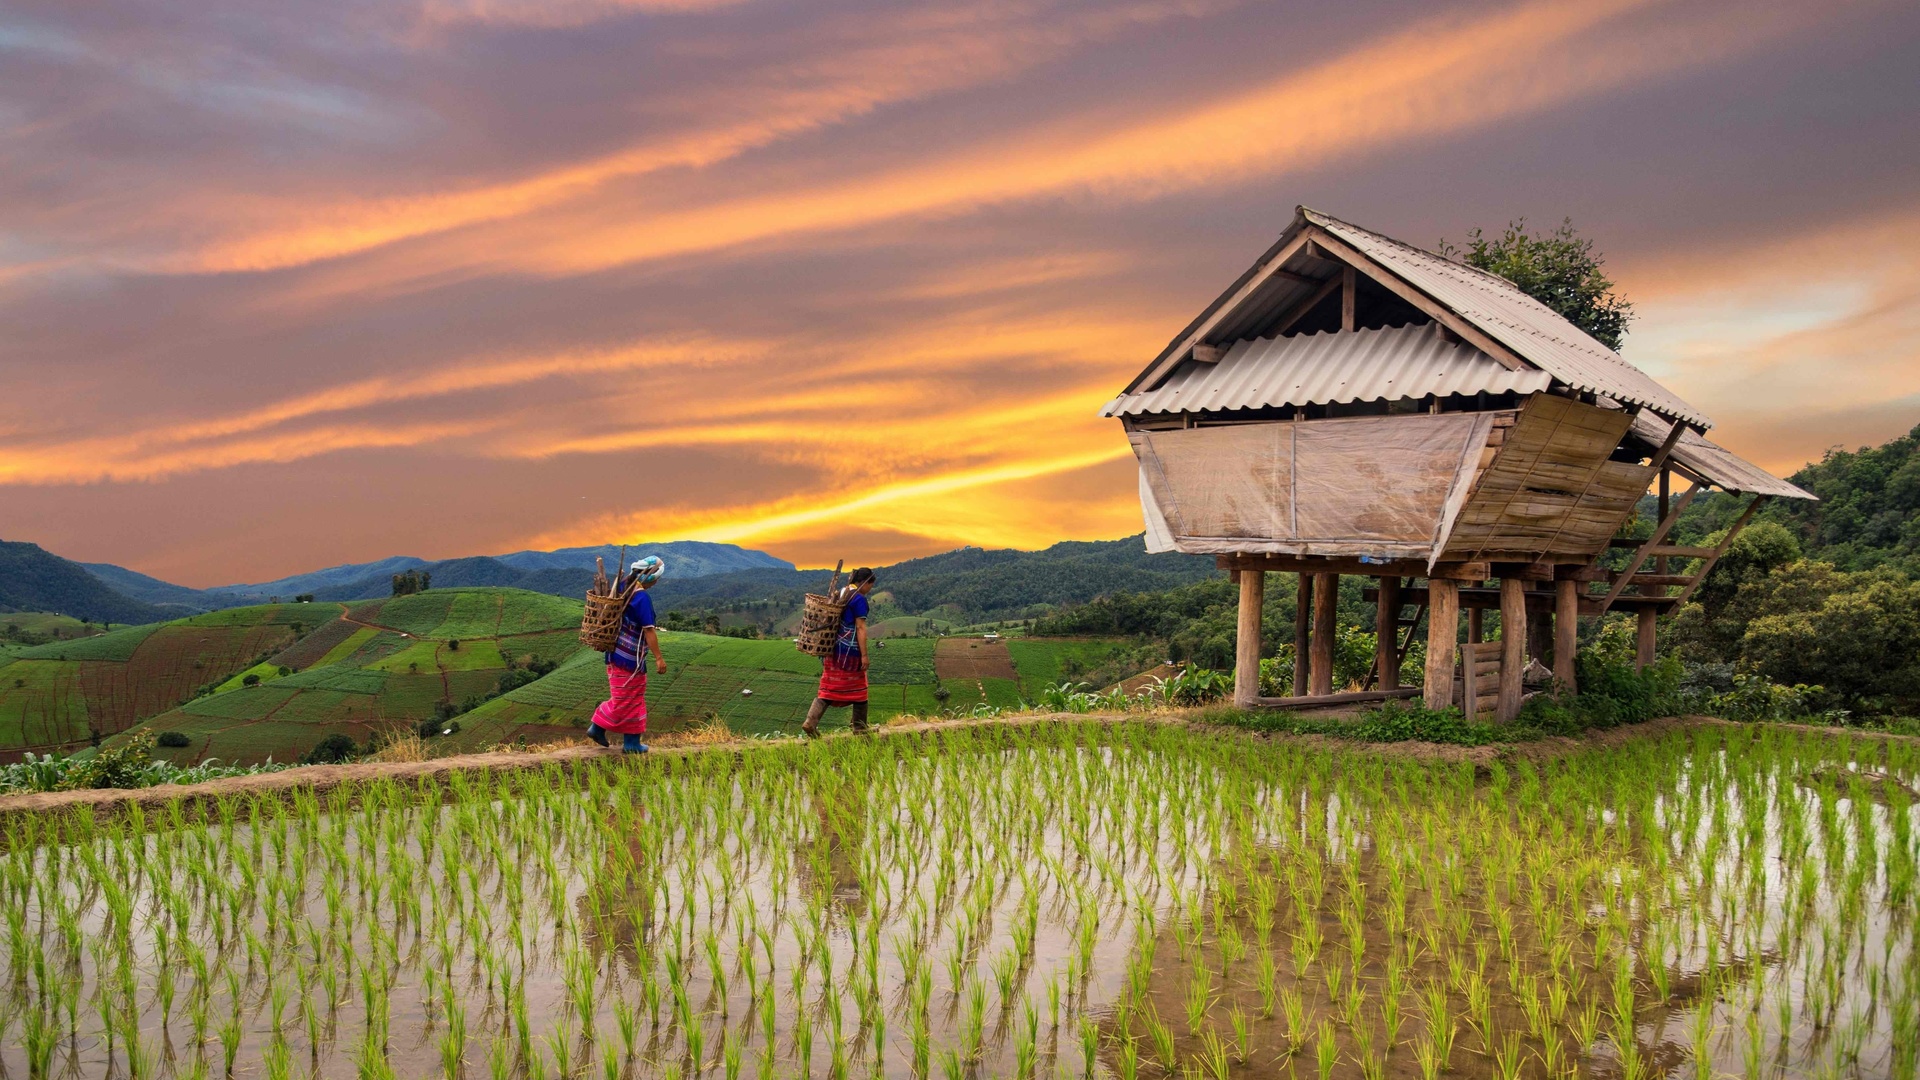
65	694
377	665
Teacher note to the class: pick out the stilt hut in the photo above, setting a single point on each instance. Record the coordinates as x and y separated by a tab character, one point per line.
1356	405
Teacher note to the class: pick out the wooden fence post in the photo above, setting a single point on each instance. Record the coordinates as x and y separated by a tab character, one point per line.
1302	632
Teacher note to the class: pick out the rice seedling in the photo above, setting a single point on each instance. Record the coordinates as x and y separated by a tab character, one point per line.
1326	1051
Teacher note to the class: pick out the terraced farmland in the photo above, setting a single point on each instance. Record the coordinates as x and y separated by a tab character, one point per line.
62	695
381	664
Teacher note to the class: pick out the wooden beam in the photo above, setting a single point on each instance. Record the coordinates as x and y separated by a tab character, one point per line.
1639	557
1700	575
1246	658
1386	633
1208	354
1300	310
1643	632
1349	300
1314	564
1343	698
1513	646
1257	277
1326	595
1566	632
1435	310
1302	632
1443	638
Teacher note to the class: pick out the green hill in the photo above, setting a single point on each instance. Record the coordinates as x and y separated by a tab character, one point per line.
33	579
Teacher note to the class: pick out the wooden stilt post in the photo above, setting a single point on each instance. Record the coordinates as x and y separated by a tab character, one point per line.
1302	633
1566	632
1443	639
1513	647
1539	631
1470	664
1386	627
1246	661
1643	638
1326	594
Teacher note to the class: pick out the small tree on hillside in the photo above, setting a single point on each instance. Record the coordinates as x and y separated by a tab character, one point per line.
1559	268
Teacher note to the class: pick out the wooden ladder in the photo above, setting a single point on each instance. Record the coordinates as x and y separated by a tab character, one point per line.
1657	583
1479	677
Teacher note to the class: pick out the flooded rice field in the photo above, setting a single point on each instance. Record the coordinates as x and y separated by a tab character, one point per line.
1060	900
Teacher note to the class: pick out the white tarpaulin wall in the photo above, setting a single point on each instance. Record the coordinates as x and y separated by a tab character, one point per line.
1372	485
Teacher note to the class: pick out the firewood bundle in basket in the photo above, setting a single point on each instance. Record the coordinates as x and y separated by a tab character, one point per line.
820	617
606	603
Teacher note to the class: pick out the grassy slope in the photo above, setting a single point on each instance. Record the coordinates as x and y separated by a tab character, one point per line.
57	696
375	664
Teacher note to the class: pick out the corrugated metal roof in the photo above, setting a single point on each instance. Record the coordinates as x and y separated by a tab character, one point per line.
1532	330
1318	369
1726	469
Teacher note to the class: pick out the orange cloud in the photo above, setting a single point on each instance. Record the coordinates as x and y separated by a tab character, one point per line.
1446	76
870	65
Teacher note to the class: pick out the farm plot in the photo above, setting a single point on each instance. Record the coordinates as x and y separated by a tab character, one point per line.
1044	662
972	658
1149	901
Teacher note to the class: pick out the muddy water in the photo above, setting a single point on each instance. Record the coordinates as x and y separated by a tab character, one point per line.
1138	901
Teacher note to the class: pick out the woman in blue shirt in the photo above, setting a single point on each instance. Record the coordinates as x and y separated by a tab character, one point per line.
843	678
625	710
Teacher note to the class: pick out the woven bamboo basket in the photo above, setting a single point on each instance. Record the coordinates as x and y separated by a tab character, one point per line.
606	603
820	618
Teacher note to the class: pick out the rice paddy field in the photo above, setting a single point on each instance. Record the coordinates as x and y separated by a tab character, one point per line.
1073	899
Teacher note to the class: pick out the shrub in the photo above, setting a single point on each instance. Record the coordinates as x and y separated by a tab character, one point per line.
331	750
252	679
109	767
174	740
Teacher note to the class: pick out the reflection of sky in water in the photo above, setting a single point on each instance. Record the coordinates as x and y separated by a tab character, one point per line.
985	899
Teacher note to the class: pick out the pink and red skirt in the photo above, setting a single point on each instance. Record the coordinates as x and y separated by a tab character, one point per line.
625	710
843	684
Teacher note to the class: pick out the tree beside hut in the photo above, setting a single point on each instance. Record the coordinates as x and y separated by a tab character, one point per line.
1356	405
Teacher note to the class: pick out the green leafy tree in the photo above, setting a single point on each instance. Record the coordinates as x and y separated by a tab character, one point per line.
1559	268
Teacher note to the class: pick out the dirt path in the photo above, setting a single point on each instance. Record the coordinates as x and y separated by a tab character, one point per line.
323	778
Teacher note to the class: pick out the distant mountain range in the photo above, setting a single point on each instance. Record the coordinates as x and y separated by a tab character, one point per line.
32	579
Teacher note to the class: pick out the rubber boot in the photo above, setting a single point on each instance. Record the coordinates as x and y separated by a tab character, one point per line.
818	710
597	733
631	744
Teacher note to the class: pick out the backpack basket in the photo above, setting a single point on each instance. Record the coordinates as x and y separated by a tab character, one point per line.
606	604
820	618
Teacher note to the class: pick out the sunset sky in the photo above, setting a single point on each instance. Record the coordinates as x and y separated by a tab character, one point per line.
285	285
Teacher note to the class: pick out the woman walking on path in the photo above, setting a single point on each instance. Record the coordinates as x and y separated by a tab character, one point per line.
625	710
843	680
